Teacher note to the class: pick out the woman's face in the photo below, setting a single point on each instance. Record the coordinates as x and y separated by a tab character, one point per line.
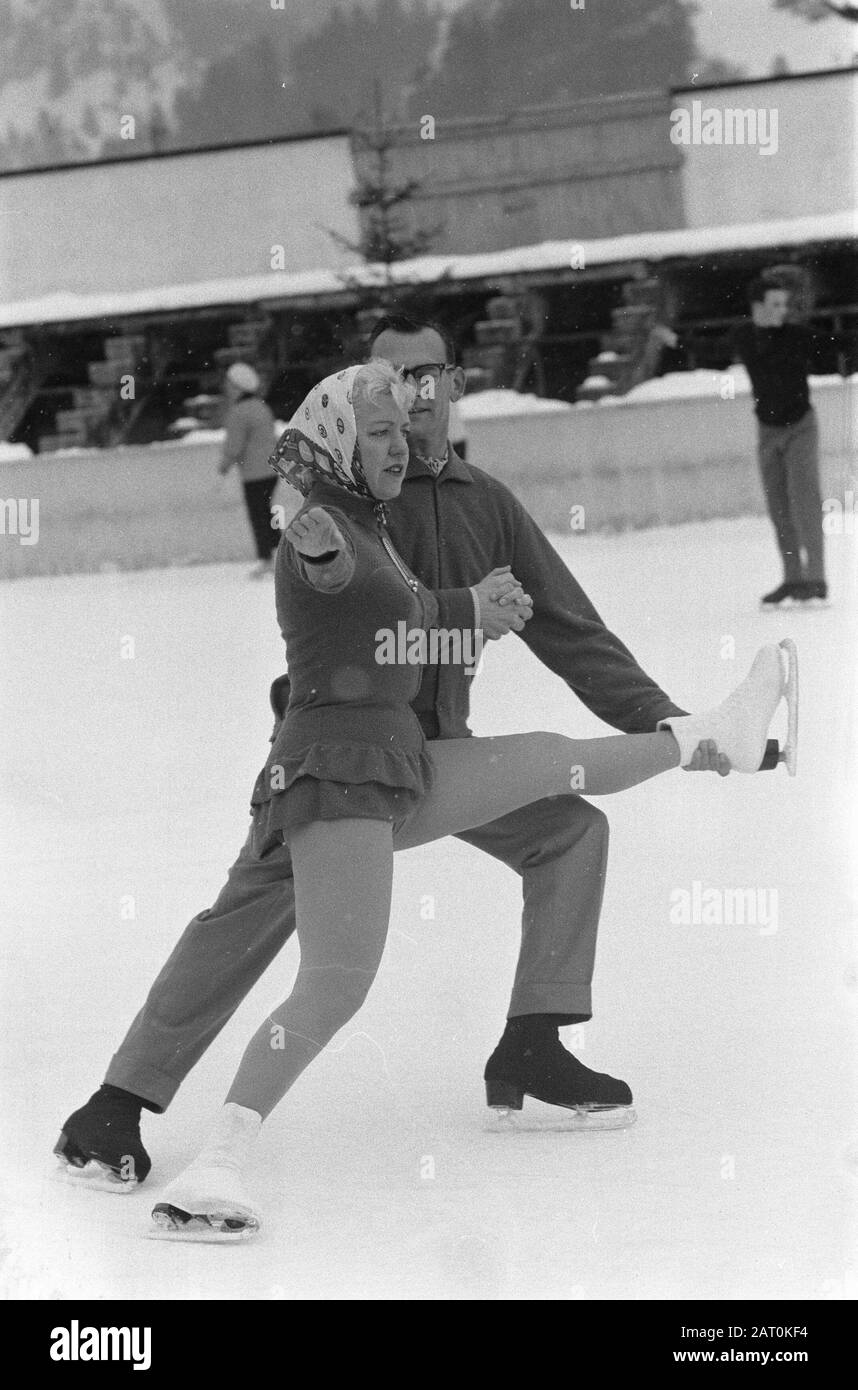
382	436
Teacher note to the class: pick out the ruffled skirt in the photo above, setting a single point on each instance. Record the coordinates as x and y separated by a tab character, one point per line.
381	771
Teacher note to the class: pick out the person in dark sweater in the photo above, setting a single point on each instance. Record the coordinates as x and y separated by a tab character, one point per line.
453	519
777	355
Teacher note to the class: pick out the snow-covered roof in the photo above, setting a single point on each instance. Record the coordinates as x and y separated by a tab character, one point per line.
67	307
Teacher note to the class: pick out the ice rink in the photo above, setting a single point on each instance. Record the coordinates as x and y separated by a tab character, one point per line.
134	720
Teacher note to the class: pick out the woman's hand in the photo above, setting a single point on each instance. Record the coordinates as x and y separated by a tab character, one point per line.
314	532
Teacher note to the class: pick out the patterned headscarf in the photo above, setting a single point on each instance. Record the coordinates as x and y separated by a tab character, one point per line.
320	440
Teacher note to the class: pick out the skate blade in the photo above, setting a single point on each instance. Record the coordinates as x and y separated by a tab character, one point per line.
94	1176
171	1223
789	751
580	1119
795	605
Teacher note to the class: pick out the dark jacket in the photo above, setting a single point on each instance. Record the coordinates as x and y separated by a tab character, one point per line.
350	713
778	361
452	530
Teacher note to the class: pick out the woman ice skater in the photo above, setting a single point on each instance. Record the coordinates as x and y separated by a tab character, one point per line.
350	777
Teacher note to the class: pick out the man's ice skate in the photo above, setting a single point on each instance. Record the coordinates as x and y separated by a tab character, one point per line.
784	596
540	1067
208	1202
740	725
799	594
100	1146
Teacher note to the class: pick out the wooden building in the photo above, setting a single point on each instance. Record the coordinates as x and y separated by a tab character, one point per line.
127	287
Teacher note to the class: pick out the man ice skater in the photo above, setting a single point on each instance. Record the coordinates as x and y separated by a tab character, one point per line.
452	524
777	356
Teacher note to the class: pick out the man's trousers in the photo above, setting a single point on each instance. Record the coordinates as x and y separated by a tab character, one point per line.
558	846
789	464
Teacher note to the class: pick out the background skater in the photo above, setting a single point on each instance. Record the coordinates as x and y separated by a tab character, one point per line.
249	438
777	356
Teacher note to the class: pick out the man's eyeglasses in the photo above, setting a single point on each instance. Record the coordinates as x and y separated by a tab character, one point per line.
432	371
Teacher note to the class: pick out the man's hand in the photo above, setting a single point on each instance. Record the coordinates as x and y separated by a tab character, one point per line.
314	532
504	606
708	759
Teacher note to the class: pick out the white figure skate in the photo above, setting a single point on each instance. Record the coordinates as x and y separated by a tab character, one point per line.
740	725
208	1201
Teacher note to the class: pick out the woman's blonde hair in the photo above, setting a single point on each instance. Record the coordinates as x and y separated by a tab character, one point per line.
378	377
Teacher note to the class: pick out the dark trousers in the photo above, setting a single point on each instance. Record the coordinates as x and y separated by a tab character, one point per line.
257	497
789	464
558	847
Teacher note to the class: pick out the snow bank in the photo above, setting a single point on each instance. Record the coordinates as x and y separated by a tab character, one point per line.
684	385
202	436
14	453
681	385
217	436
490	403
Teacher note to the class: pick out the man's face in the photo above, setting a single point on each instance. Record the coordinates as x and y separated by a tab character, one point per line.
771	312
430	414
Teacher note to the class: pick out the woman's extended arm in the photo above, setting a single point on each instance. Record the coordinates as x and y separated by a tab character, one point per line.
322	554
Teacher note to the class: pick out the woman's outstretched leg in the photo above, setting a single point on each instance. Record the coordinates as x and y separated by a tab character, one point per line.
343	873
479	779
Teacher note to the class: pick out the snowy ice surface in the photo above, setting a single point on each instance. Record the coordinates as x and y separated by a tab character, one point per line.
129	779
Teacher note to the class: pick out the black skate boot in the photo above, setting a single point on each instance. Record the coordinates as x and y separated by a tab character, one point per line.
784	596
100	1144
530	1060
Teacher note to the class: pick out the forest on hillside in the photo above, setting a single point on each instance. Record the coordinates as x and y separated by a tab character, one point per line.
232	70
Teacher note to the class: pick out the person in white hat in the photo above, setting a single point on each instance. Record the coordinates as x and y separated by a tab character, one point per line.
248	444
